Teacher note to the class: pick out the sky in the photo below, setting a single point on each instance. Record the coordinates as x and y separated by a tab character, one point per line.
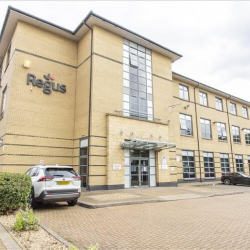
212	36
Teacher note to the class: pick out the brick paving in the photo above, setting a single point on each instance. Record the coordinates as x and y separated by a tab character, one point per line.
206	223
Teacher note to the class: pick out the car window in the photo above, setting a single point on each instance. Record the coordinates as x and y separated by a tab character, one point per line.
33	172
60	172
27	172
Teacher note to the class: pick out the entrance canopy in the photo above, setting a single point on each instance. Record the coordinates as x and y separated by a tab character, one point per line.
147	145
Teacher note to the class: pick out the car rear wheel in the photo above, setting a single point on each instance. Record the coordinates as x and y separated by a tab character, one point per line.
72	203
227	182
32	202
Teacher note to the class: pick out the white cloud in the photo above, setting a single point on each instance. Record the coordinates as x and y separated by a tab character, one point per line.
212	36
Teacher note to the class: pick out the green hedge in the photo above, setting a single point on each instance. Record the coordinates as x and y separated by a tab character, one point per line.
14	191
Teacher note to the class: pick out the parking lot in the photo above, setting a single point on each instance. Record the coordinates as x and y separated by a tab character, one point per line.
220	222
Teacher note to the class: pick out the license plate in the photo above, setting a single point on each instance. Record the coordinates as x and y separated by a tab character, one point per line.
63	182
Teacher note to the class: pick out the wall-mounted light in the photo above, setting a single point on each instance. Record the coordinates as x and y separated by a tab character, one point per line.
186	107
1	142
215	122
26	64
243	128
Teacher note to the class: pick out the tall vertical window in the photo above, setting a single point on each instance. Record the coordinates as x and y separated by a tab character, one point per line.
247	136
239	163
4	95
186	124
224	161
218	103
248	161
1	70
8	56
222	133
203	98
137	81
236	134
83	161
188	164
208	159
183	91
206	128
233	108
244	112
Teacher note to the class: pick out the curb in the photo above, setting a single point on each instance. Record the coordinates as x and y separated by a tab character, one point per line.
55	235
11	243
125	203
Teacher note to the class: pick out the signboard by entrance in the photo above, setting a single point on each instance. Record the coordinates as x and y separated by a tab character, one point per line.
117	166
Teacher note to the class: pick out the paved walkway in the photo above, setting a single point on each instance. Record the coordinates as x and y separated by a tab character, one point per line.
98	199
220	222
6	241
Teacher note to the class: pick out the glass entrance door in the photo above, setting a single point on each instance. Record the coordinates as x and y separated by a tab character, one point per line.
139	172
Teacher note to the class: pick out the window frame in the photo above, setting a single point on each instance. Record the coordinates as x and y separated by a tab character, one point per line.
3	102
201	92
234	104
235	141
247	140
209	128
208	166
8	57
239	165
224	165
188	167
185	86
246	109
192	131
84	176
219	123
218	98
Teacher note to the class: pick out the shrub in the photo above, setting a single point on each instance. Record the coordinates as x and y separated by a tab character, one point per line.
26	220
93	247
14	191
73	248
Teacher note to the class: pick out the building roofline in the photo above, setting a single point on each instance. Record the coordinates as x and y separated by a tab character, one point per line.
91	13
212	89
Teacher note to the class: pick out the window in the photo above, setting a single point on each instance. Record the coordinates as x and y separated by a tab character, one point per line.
203	99
4	95
186	124
205	129
188	164
218	103
247	136
8	57
239	163
208	159
236	134
233	108
183	91
222	133
244	112
248	161
137	81
1	70
224	161
83	161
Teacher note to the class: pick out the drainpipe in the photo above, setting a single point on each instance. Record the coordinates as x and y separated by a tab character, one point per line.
198	141
90	96
230	131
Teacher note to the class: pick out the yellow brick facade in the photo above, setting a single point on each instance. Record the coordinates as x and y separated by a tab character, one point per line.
37	126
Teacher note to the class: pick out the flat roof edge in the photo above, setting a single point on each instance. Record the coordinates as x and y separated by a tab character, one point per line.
212	88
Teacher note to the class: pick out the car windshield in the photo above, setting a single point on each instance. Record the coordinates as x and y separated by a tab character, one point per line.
60	172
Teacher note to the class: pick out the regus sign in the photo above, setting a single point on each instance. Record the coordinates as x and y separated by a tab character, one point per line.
48	85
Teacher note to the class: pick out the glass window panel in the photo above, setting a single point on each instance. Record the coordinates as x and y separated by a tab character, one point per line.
134	85
126	68
148	63
141	54
125	98
134	107
149	83
126	75
125	60
133	51
125	41
142	60
142	80
149	76
141	48
133	45
148	57
134	99
148	51
126	105
143	109
149	90
133	78
125	47
142	88
142	73
143	95
125	90
149	69
150	104
83	151
125	54
133	70
142	66
150	111
149	97
125	83
133	92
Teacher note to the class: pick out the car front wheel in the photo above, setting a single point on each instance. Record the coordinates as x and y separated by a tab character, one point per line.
227	182
72	203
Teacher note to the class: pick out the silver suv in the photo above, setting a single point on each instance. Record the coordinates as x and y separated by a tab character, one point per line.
54	183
